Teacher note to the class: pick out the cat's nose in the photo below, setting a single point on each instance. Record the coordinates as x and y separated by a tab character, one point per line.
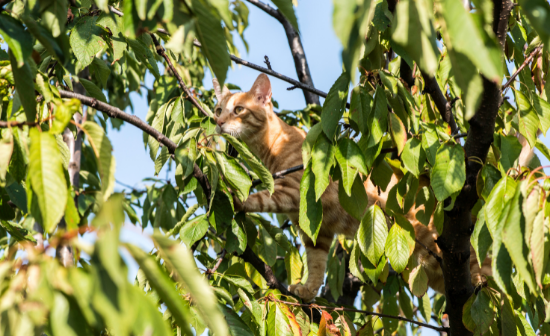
220	122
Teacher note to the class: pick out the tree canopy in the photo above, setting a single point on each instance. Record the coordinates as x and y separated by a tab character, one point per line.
449	92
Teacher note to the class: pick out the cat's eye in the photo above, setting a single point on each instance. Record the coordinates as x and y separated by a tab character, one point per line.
218	111
239	109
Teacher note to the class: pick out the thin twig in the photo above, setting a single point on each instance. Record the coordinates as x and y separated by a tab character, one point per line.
190	97
267	62
116	11
209	272
20	124
400	318
515	74
272	73
280	174
432	253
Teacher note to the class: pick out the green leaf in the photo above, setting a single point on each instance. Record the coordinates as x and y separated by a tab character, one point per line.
400	244
277	322
538	12
413	156
372	234
309	142
47	178
418	281
335	105
294	266
482	311
540	246
512	229
105	159
100	71
413	30
267	249
543	149
360	108
543	110
163	286
311	209
469	39
186	154
16	231
54	16
507	318
24	84
180	260
430	142
350	159
92	90
500	195
449	172
378	120
285	7
426	198
528	119
236	325
235	176
18	39
487	179
263	173
212	37
481	238
398	132
467	313
115	24
194	230
85	40
322	159
236	239
357	201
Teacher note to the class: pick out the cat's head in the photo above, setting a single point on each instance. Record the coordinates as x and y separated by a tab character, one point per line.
245	113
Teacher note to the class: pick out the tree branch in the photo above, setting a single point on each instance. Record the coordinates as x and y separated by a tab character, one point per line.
525	63
265	271
273	73
115	112
443	106
296	48
454	242
366	312
189	95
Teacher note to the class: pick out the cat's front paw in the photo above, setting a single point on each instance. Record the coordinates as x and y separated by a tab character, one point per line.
305	292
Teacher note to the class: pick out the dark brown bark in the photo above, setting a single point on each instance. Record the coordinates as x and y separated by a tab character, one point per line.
296	48
455	240
406	73
443	106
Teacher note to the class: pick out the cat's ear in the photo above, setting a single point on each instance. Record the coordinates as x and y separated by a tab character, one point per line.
218	90
261	90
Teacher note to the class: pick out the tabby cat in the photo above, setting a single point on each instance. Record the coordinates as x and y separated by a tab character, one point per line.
249	116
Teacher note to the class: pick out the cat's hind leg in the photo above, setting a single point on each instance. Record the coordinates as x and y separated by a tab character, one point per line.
316	264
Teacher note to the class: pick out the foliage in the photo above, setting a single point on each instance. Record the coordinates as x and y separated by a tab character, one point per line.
389	127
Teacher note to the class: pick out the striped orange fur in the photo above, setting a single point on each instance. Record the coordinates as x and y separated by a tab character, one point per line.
249	116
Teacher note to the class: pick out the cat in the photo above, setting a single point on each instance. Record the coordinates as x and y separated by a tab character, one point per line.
249	116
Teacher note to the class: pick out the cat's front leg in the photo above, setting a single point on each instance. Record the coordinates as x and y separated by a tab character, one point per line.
283	200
